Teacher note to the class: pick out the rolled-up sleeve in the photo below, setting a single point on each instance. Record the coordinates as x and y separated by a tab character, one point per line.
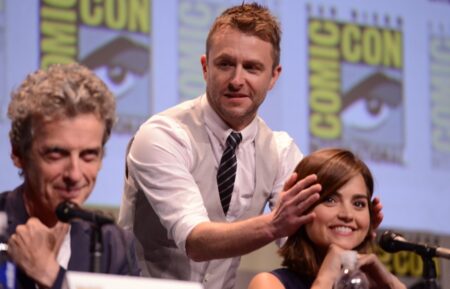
289	156
159	163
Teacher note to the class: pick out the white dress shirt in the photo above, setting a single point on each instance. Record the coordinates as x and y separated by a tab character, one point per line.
164	175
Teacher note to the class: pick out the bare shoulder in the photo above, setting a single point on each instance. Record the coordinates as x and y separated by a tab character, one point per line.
265	280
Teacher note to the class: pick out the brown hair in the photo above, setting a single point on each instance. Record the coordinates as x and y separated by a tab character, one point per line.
252	19
334	168
61	91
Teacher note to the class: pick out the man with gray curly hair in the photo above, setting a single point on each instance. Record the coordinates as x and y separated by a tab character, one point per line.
61	119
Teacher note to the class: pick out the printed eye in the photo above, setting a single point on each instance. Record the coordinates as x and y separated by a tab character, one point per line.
120	63
365	114
369	103
118	79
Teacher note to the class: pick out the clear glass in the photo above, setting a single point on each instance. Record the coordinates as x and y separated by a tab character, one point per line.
352	279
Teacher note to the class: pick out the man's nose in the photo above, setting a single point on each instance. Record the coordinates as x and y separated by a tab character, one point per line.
237	79
73	170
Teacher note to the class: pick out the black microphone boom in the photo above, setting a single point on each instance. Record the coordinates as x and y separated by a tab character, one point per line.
66	211
392	242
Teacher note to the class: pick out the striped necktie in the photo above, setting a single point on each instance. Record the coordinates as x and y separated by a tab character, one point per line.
226	174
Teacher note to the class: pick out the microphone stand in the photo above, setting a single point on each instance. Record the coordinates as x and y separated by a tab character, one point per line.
429	272
96	248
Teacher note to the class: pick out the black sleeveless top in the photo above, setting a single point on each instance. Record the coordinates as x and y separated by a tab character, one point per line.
291	280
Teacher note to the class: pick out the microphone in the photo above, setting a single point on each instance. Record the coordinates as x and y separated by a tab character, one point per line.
66	211
392	242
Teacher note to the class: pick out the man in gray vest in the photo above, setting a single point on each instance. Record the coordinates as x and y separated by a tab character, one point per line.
200	174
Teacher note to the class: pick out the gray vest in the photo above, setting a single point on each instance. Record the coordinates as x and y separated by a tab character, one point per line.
162	257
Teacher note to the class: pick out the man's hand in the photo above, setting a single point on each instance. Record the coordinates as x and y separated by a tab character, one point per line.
34	248
377	215
295	200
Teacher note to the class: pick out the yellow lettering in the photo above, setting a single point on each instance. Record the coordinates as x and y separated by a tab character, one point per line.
115	16
325	126
58	32
350	45
58	14
324	33
139	16
50	59
416	265
131	15
324	74
393	49
400	263
91	13
372	46
323	52
325	101
324	80
60	3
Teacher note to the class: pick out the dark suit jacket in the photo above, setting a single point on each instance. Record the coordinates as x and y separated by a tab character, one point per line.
118	255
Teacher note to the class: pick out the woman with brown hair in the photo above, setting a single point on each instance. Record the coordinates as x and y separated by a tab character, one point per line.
343	219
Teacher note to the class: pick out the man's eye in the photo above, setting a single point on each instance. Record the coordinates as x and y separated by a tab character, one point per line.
53	155
90	156
224	64
253	68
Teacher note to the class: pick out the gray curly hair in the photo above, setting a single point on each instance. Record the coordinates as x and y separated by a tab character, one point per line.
61	91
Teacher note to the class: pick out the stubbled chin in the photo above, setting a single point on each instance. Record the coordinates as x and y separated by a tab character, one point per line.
76	196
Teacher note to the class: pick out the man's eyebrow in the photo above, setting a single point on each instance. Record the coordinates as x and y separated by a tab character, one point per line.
92	150
52	148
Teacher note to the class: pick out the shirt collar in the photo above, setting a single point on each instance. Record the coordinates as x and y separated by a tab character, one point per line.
220	129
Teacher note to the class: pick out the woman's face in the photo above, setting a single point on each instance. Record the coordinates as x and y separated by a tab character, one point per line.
343	218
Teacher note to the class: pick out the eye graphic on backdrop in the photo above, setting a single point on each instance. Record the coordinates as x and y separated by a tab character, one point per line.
119	63
370	102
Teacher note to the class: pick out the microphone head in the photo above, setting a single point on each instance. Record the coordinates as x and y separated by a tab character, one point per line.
64	211
388	242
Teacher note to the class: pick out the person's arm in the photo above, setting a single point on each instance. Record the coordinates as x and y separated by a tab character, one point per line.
378	275
212	240
220	240
34	248
159	163
330	269
265	281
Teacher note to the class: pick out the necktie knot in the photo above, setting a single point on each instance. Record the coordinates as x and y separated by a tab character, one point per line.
234	139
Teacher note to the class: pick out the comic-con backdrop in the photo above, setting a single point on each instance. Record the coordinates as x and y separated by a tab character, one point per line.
372	76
